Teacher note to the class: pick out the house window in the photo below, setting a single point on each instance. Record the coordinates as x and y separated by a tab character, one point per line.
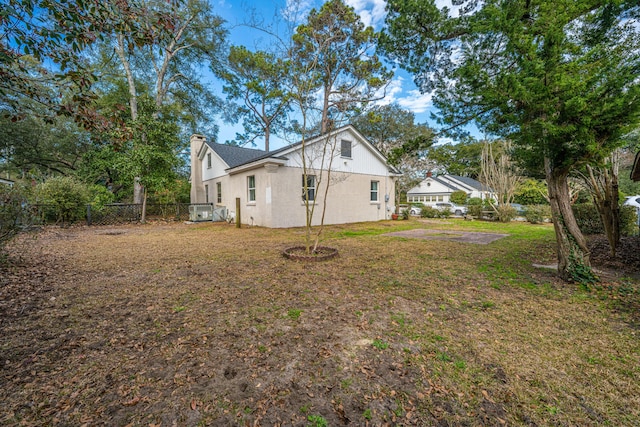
219	191
374	191
440	198
309	190
251	188
206	193
208	160
345	148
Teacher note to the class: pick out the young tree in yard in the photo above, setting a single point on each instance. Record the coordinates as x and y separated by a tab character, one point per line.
348	73
152	153
195	38
259	79
332	53
500	174
558	78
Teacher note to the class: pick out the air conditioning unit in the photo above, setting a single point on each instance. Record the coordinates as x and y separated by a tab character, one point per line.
200	213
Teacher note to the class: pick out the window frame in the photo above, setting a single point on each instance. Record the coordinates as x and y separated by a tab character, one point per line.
206	193
251	190
376	191
219	192
209	163
311	189
343	151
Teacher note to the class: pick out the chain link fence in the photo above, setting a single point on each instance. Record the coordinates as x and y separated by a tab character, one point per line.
127	213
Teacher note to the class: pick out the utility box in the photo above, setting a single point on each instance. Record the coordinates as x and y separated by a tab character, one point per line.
201	212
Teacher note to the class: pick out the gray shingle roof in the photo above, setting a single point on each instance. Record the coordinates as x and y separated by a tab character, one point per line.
236	156
471	182
445	183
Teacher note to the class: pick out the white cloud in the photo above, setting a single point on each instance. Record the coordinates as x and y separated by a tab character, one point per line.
416	101
411	100
372	12
297	10
393	89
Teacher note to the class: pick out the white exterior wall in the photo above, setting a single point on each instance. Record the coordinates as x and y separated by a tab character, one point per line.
363	160
348	199
279	190
217	165
429	187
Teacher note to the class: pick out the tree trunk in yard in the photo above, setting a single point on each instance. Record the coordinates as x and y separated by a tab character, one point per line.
138	192
604	189
573	254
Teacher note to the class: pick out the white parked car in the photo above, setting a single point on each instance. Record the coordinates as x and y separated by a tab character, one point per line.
415	210
632	201
455	209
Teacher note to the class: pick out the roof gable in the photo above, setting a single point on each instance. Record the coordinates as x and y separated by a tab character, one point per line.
243	158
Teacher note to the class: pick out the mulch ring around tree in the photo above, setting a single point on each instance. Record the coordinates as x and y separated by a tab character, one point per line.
454	236
299	253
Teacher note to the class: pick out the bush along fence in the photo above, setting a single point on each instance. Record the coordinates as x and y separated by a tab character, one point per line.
126	213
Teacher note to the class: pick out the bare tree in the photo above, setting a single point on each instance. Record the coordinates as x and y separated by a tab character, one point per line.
501	176
602	183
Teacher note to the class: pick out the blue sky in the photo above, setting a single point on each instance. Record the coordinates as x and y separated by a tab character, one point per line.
401	90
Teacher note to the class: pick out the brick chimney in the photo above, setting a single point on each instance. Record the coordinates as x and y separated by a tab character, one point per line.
197	187
429	174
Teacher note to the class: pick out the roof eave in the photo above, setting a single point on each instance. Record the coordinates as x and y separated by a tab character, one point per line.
276	161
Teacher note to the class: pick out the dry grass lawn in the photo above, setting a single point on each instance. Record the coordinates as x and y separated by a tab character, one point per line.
206	324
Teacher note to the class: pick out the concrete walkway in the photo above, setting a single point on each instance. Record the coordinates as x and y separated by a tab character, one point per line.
454	236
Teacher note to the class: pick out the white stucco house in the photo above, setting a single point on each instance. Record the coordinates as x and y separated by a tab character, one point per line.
270	184
434	189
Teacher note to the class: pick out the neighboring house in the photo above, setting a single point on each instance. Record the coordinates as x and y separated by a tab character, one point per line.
436	189
6	182
270	184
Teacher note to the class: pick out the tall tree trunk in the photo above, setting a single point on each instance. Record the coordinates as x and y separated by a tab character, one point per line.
573	254
133	106
604	190
143	215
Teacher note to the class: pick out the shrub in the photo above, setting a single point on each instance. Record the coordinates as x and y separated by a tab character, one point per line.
14	213
99	196
531	192
536	214
65	197
404	214
458	197
445	213
474	207
588	218
428	212
506	213
589	221
628	221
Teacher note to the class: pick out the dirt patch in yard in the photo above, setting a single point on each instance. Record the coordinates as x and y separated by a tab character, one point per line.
454	236
206	324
